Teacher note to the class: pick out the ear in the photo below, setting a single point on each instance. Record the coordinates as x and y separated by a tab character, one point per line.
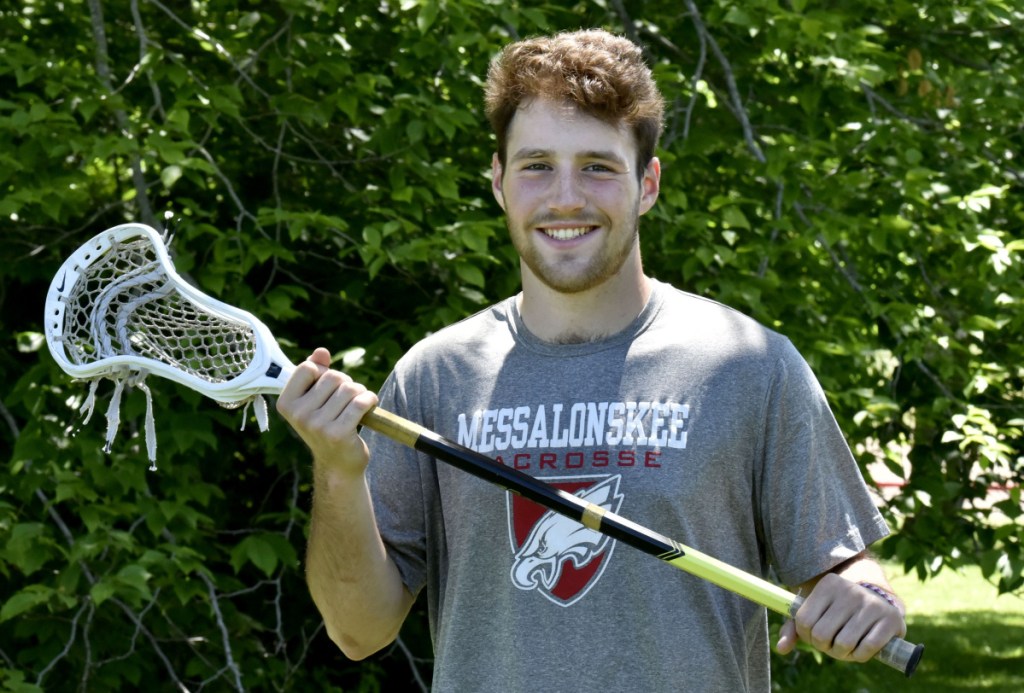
650	184
496	174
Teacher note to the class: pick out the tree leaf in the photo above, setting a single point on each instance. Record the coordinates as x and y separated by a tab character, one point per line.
24	600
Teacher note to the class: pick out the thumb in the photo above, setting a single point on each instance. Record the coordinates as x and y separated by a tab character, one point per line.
321	357
788	638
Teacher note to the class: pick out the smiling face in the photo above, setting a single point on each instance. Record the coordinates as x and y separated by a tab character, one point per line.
572	196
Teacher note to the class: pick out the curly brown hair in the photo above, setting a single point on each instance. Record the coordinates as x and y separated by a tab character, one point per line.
602	74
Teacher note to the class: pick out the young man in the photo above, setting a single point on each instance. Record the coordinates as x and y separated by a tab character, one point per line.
670	409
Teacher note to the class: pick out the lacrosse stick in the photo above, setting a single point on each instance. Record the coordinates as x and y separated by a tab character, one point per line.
117	309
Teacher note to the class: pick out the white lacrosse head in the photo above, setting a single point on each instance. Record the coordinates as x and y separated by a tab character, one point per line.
117	307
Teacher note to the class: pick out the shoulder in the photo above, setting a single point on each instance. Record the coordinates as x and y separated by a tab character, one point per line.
476	335
714	326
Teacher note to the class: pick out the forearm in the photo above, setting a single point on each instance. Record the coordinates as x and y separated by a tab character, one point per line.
354	583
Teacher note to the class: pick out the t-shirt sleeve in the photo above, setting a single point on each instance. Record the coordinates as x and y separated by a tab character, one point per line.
816	509
396	480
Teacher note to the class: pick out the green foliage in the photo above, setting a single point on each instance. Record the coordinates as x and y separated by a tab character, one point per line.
848	175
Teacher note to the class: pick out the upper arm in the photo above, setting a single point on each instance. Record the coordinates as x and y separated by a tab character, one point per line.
815	508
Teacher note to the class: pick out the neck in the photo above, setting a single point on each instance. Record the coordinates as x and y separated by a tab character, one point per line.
588	315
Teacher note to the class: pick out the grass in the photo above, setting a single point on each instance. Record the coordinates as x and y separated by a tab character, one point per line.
974	641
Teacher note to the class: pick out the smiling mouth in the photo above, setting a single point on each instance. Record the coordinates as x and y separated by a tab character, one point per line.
567	234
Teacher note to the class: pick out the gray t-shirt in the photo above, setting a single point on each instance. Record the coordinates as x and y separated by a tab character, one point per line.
695	421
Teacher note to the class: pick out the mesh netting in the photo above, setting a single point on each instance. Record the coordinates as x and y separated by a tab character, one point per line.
125	304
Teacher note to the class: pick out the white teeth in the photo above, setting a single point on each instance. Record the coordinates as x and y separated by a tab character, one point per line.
567	234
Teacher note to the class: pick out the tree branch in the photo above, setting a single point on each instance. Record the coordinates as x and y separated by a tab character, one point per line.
102	64
627	22
412	660
730	81
144	42
67	646
873	97
11	422
224	634
137	620
780	189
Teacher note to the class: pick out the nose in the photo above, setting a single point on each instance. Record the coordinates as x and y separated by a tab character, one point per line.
566	194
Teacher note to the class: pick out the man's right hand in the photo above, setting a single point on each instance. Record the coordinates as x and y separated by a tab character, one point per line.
325	406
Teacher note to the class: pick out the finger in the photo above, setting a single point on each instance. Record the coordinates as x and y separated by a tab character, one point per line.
839	630
788	638
329	394
321	357
305	376
356	407
876	629
872	642
848	639
808	616
337	392
823	631
302	379
825	611
301	391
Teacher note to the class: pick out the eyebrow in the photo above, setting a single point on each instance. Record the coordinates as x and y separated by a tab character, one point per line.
527	153
599	154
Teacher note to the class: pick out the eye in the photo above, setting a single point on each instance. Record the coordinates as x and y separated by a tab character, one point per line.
536	167
602	170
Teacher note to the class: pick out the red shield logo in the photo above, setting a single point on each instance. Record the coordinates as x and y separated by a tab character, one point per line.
555	555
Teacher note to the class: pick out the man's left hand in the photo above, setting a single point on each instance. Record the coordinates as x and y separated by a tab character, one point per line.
844	620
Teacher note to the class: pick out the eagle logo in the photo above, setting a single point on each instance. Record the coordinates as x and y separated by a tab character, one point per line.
555	555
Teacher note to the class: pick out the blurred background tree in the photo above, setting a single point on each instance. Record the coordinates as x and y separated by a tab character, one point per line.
849	175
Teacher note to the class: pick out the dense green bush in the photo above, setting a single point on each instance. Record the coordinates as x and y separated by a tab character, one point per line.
849	176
